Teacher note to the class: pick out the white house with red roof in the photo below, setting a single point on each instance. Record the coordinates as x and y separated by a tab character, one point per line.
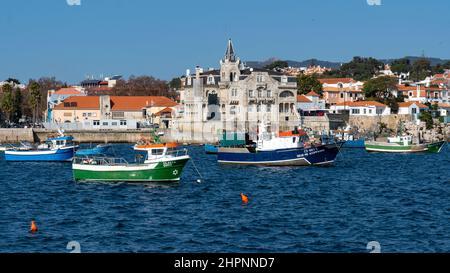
310	101
362	108
412	108
341	90
444	109
423	94
55	97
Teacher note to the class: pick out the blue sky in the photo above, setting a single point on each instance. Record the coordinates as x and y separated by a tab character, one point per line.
164	38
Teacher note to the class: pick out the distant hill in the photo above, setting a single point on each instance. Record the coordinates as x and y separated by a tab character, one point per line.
306	63
412	59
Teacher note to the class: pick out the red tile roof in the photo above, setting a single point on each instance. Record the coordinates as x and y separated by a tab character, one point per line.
165	110
118	103
409	103
303	98
337	89
139	102
361	103
68	91
312	94
80	102
444	105
336	80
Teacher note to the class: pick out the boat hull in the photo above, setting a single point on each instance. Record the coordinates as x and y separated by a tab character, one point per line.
211	149
164	171
354	144
434	147
62	154
321	155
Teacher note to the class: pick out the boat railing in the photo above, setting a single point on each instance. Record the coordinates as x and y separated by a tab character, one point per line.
95	160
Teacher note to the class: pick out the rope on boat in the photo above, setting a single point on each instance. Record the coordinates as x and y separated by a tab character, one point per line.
195	167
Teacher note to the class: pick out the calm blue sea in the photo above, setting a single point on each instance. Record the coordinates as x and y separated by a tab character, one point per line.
401	201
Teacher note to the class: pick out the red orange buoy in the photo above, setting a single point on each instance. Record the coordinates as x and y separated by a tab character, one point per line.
33	227
244	198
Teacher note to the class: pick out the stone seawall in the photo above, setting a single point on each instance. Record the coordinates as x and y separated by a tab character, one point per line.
15	135
128	136
370	124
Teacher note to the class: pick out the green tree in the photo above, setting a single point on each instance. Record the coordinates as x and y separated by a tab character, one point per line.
12	81
380	88
401	66
175	83
307	83
35	98
360	69
276	64
426	117
420	69
17	105
7	101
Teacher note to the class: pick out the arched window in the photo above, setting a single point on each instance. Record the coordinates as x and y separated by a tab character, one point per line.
286	94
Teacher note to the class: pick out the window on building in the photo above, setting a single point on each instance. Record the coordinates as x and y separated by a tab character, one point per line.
234	92
258	108
73	104
365	110
84	114
123	122
268	108
96	122
284	79
250	93
260	94
414	111
119	114
379	111
342	95
105	123
269	93
89	114
114	123
410	94
370	111
286	94
355	111
233	110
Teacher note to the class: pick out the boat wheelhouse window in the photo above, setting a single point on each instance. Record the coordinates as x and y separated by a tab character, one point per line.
96	122
293	139
157	151
73	104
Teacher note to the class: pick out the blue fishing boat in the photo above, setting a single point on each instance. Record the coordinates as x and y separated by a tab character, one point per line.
211	149
60	148
284	149
100	149
358	143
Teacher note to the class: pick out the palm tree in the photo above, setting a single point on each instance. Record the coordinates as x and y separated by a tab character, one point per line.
35	98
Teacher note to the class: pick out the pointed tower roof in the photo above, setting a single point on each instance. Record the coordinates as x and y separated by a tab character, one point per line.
229	55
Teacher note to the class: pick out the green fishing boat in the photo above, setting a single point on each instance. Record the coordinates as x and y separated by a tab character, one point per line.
403	144
162	164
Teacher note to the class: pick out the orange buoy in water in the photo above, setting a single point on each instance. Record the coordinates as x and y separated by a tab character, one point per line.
244	198
33	227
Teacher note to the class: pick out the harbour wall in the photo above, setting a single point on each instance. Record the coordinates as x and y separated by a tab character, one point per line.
126	136
367	124
15	135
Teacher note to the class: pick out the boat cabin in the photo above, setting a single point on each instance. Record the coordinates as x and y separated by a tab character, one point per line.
403	140
57	142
